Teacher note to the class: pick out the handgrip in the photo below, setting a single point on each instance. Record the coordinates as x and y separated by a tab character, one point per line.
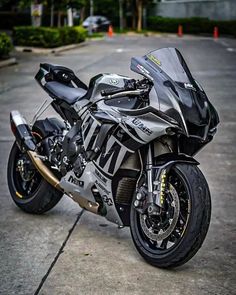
130	93
111	92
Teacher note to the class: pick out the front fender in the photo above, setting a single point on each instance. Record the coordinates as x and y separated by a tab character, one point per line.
172	158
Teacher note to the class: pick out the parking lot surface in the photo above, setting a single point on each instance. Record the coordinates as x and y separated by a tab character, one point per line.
70	251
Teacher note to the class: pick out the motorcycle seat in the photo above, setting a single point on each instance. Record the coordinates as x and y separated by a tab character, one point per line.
60	91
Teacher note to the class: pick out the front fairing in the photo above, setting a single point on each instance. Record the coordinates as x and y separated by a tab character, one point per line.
176	93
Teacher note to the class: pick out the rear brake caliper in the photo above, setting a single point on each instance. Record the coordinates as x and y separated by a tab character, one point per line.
25	168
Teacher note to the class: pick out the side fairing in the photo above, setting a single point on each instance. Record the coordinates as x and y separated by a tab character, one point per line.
83	185
140	126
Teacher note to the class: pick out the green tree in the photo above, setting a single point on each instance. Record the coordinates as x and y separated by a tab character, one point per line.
58	5
62	5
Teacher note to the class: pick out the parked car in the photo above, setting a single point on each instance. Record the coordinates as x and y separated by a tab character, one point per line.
98	23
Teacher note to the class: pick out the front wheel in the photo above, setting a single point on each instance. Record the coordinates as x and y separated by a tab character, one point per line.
174	236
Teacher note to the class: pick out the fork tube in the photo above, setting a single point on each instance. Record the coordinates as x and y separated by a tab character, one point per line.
149	174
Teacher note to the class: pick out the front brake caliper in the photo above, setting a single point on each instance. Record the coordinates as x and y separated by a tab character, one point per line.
153	206
140	197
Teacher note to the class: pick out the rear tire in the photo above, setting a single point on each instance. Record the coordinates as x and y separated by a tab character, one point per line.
43	196
193	234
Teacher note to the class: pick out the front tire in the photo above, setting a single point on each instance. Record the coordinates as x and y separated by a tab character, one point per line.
191	224
28	189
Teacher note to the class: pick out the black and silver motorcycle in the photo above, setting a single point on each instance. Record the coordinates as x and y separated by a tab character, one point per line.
124	150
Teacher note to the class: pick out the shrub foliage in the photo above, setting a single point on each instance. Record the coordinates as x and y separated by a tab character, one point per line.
194	25
48	37
5	45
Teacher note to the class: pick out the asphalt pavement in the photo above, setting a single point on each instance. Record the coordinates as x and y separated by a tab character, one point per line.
70	251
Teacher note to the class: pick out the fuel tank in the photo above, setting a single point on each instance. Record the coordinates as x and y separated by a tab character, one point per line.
106	82
110	82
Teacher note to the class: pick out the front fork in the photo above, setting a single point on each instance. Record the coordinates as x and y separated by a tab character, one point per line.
149	169
151	195
156	186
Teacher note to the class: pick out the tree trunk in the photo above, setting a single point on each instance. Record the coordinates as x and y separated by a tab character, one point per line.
134	15
82	14
70	17
140	14
52	15
133	22
121	15
59	14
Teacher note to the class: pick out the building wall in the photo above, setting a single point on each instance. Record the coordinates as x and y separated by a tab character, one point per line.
212	9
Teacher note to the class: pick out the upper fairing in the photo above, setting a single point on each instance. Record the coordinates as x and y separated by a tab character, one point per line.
175	92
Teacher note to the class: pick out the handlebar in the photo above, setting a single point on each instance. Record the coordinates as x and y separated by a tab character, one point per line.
131	88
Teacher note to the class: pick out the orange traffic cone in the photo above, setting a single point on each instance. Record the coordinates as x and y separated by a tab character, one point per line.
110	31
180	31
216	33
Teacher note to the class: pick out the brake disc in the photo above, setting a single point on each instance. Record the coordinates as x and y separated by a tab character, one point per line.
162	234
25	173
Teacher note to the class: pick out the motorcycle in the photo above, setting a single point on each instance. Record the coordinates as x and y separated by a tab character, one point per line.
124	150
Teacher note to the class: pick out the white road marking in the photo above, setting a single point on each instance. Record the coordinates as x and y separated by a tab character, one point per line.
231	49
119	50
6	138
224	43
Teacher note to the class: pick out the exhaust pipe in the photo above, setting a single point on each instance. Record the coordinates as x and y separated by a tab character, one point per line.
54	181
26	143
43	170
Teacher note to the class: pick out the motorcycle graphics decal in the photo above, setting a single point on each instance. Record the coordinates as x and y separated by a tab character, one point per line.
145	72
147	126
132	133
102	187
122	118
75	181
141	126
189	86
142	69
100	176
107	200
154	59
90	127
110	161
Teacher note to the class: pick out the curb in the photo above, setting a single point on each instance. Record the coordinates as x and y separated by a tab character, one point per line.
49	50
8	62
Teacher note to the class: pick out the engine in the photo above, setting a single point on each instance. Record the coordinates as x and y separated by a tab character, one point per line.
66	152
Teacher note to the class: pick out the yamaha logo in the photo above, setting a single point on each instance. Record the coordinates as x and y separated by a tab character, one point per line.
114	81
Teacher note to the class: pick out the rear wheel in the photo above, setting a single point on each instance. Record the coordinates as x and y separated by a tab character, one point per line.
28	189
174	236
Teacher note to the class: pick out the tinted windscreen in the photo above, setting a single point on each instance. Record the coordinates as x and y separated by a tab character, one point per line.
170	61
178	95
